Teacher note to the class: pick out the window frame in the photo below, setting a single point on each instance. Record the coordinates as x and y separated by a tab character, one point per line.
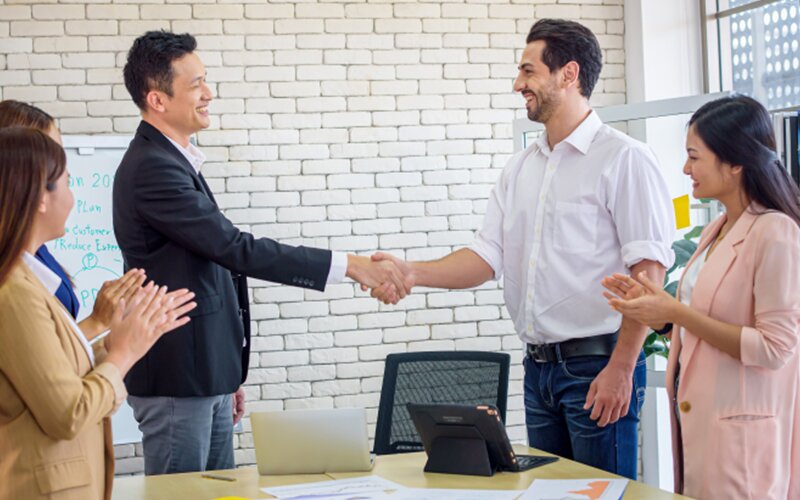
716	40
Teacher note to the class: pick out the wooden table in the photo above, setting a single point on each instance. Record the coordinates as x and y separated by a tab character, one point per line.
405	469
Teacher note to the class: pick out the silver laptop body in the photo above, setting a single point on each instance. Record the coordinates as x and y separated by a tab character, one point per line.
311	441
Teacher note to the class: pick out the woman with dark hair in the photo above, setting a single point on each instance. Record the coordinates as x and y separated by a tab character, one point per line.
56	391
733	373
20	114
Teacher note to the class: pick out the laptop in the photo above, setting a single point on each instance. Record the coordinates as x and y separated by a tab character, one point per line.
311	441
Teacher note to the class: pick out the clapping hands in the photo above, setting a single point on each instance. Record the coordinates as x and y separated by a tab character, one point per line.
640	299
109	296
138	323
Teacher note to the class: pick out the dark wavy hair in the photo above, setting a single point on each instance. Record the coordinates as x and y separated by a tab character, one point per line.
30	164
567	41
149	64
738	129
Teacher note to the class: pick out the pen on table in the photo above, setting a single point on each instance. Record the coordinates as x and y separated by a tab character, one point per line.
218	477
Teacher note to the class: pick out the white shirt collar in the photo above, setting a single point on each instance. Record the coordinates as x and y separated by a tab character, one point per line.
49	279
194	156
581	138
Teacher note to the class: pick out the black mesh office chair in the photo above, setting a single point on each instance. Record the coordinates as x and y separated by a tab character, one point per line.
460	377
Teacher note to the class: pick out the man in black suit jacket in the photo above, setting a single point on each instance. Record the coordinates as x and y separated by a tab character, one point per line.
186	392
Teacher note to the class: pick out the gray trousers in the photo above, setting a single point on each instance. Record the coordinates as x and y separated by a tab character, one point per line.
185	434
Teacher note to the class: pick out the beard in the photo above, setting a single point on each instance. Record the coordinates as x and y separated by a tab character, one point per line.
547	102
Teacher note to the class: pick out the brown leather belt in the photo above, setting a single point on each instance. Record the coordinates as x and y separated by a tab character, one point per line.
598	345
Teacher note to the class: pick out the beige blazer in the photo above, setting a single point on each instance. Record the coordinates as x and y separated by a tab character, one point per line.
739	432
55	430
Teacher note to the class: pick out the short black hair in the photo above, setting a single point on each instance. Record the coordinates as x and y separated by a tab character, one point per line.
567	41
149	64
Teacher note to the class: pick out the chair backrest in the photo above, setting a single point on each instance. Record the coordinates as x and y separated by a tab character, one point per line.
458	377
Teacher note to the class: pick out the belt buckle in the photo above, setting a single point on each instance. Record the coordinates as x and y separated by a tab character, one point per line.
537	353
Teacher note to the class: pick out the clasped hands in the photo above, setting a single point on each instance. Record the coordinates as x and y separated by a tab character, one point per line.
389	278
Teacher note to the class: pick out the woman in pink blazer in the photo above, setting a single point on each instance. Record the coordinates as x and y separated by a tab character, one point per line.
733	374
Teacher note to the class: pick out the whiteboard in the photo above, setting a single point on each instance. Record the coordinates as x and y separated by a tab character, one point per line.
88	251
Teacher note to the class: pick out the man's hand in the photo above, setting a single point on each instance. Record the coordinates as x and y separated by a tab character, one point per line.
385	291
609	394
238	405
372	274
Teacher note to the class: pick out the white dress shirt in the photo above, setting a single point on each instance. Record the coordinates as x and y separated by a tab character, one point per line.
196	158
559	221
690	279
51	281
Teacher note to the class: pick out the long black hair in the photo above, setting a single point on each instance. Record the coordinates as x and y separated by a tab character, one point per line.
30	164
738	129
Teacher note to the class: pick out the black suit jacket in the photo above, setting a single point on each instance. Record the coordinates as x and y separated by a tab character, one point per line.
167	222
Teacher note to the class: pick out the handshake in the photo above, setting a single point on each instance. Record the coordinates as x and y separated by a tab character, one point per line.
389	278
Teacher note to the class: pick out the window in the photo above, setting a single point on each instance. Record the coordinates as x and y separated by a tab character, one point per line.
754	48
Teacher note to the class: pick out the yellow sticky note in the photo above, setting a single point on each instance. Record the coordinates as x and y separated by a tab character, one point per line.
681	205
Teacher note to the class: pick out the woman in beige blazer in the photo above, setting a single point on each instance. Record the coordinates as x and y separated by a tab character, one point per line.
21	114
56	391
734	369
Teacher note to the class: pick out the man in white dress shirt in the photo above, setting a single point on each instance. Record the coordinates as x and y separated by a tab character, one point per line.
582	202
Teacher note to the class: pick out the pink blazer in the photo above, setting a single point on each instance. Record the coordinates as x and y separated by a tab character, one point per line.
739	432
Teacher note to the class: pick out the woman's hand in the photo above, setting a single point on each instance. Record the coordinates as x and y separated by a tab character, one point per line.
108	297
622	286
640	299
138	324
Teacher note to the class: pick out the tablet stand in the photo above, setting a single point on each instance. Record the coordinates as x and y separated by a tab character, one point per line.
459	455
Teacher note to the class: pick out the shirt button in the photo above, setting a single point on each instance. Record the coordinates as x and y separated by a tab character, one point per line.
685	406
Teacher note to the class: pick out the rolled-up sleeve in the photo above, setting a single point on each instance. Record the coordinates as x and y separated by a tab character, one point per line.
776	291
640	204
488	243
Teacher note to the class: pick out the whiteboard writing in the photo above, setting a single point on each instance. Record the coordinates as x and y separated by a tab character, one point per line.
88	251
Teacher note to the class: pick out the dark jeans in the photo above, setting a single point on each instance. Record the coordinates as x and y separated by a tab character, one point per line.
557	423
185	434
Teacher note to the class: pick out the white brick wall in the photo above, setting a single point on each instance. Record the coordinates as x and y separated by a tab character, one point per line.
348	125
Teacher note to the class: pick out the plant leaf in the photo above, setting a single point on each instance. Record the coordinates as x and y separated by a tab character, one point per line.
694	233
684	249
